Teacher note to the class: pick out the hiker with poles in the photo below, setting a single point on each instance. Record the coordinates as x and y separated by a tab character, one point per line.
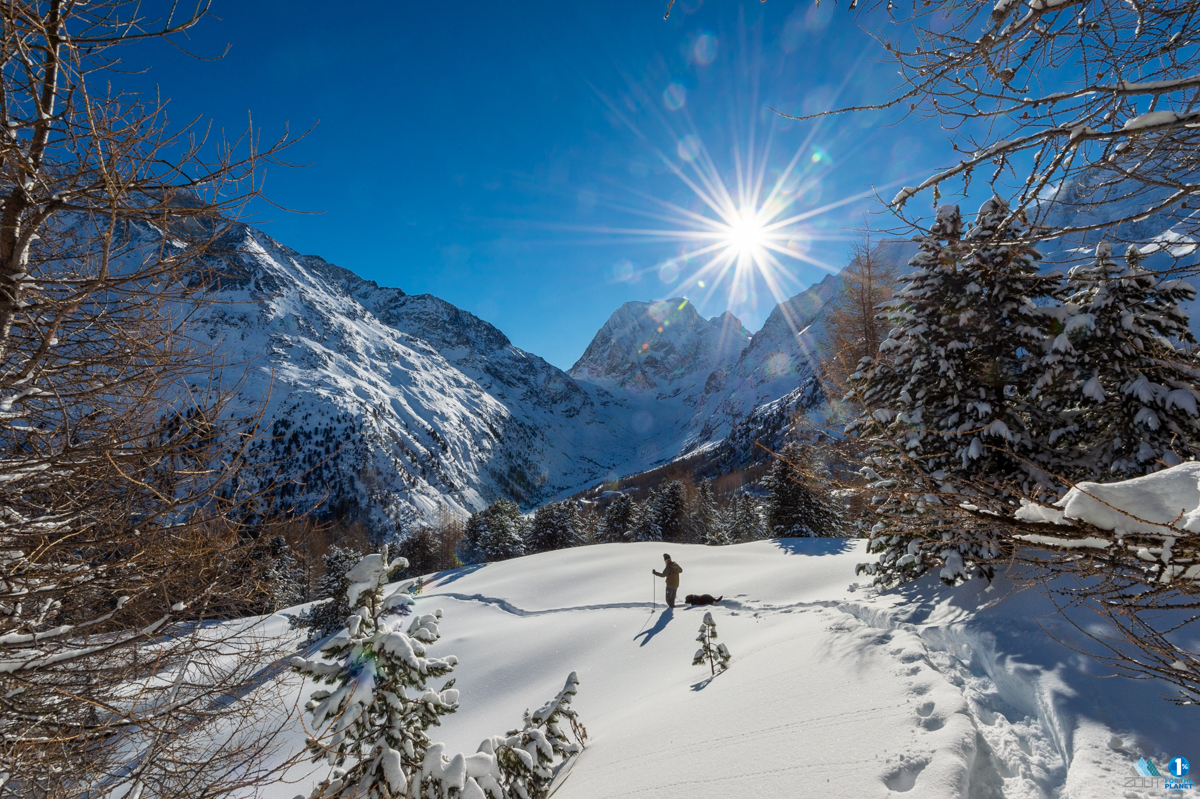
671	570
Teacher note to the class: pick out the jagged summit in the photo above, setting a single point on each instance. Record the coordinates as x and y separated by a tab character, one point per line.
646	345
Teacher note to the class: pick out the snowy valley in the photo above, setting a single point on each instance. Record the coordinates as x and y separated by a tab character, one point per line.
388	405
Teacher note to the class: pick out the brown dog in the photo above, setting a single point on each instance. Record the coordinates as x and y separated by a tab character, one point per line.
702	599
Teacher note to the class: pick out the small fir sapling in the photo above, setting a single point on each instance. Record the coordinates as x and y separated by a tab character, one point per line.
529	758
714	654
379	708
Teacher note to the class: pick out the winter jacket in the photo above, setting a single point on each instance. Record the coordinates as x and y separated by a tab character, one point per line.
671	571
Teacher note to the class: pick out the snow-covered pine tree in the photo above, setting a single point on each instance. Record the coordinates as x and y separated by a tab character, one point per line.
495	533
553	527
618	518
706	516
646	524
713	654
1120	372
796	505
329	614
742	521
671	511
909	392
1005	329
284	577
380	707
946	404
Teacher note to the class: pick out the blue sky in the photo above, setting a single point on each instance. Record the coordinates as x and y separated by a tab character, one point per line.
492	154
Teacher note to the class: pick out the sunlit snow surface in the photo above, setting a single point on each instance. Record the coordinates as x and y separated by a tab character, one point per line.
832	692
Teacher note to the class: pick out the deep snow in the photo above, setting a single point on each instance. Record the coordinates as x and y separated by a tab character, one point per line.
833	690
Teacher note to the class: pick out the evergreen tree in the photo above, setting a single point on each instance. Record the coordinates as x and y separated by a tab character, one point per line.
741	520
715	655
707	516
419	549
948	404
495	533
1119	374
1004	329
278	580
329	614
554	527
796	505
910	392
379	708
671	511
646	524
284	576
618	519
951	387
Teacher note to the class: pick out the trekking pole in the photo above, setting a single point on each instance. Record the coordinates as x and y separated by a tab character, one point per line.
653	592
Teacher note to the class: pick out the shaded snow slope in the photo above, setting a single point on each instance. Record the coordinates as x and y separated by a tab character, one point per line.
933	692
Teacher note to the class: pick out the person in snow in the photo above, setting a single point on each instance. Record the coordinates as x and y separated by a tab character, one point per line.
671	571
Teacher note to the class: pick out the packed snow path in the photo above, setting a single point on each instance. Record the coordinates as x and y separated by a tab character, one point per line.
833	690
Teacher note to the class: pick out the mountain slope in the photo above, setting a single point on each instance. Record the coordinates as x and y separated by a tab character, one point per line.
386	405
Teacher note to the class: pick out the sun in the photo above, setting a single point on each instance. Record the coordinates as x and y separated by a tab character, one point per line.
747	228
746	232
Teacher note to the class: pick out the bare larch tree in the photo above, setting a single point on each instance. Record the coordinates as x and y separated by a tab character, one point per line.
123	526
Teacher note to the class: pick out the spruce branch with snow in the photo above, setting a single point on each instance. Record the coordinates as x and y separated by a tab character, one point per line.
715	655
529	758
1118	386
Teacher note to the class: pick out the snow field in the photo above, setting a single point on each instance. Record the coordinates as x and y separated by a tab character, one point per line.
929	691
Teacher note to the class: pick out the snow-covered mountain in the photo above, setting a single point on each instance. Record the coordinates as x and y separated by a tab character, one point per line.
389	404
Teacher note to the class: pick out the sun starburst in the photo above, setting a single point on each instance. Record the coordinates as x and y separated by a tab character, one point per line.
754	229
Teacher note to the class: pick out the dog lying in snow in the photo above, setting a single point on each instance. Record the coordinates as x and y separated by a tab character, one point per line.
702	599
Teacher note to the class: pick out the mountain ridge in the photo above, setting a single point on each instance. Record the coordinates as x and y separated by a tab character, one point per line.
387	405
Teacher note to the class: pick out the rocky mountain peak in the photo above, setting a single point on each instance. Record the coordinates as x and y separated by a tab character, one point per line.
645	345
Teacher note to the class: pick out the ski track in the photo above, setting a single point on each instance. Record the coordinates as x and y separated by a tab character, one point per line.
508	607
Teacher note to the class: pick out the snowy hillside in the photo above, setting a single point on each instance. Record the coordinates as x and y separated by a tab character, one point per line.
390	404
833	690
